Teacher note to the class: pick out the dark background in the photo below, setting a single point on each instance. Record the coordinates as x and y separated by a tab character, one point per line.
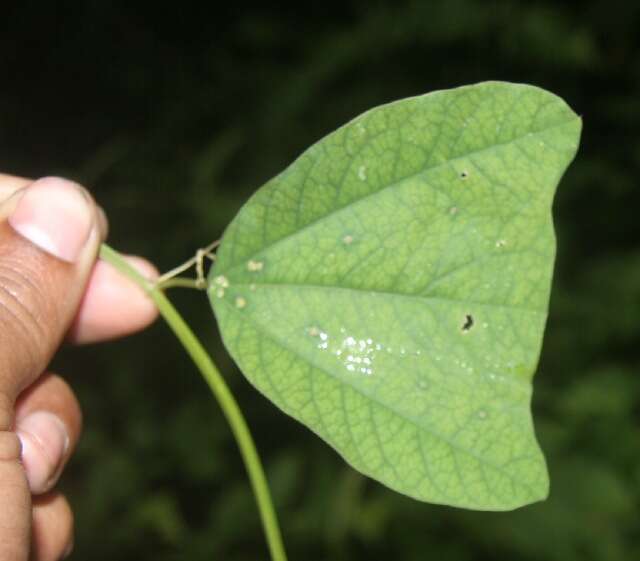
174	114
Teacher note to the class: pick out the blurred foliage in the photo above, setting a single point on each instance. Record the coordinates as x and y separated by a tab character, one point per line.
175	114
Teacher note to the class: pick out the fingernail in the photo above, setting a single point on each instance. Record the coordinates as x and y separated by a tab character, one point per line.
54	214
44	441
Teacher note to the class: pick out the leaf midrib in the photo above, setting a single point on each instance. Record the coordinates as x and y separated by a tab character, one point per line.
376	291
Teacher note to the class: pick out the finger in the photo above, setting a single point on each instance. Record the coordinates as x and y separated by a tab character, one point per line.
48	423
15	501
113	305
52	534
49	237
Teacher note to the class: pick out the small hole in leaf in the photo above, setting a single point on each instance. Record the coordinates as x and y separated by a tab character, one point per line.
464	174
468	323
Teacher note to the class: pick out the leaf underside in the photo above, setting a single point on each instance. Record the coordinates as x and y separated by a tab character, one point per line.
390	288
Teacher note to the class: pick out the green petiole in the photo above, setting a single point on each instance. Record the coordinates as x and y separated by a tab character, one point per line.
222	394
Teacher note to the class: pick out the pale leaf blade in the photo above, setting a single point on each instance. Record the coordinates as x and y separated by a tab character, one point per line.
390	289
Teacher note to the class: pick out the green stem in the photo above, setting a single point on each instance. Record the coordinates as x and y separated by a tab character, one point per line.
179	282
221	392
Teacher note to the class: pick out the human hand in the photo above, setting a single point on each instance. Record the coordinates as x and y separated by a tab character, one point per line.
51	290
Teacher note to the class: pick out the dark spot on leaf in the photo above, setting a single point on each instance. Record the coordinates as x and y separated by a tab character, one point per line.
464	175
468	323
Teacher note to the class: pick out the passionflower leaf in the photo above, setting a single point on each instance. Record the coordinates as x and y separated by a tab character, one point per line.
390	289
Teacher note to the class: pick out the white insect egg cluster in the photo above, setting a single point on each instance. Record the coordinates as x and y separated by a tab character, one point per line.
325	341
357	355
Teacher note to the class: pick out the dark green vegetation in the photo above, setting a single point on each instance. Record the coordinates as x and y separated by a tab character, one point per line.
174	119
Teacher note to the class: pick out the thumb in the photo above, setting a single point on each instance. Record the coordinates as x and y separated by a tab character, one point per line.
49	238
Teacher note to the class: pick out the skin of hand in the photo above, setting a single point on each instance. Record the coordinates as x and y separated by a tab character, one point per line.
52	290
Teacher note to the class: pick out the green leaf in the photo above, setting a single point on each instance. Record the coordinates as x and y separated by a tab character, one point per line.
390	289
